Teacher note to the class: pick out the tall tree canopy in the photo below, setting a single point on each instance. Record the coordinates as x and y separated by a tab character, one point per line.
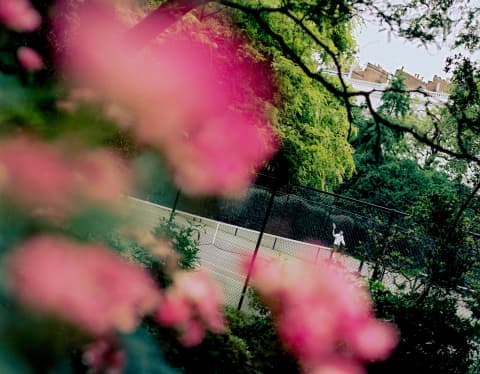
304	32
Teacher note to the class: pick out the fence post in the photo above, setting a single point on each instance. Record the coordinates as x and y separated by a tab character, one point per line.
377	272
316	256
215	235
257	247
174	207
360	266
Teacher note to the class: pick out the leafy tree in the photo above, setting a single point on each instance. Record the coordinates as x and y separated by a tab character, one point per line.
395	101
395	184
441	206
434	337
313	130
298	28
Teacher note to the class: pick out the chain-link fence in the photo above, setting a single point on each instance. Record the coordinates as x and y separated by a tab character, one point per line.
297	223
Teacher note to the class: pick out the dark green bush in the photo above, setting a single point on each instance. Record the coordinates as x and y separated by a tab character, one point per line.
434	339
267	353
224	353
184	238
250	345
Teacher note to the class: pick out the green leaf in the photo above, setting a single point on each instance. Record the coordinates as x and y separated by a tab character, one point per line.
143	355
12	364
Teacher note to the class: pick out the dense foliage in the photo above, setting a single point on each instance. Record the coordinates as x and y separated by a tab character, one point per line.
437	334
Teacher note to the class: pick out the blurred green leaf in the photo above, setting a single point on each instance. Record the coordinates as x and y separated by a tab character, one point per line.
144	355
12	364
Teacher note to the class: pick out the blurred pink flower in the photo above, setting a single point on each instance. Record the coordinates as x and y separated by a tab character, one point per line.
369	340
19	15
324	316
85	284
192	304
35	173
193	333
102	356
219	157
101	176
186	96
43	175
29	59
338	366
173	310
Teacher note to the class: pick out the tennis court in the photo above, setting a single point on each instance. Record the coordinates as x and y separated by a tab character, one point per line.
223	248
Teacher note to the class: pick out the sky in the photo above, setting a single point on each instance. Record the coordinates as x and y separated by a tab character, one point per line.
375	47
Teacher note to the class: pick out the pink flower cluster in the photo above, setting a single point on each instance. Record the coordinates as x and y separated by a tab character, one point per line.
42	175
185	98
85	284
324	317
192	304
19	15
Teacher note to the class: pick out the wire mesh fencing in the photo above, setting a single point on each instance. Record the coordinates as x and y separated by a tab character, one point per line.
297	223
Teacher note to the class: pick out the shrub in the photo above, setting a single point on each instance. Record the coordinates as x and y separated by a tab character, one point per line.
185	240
434	338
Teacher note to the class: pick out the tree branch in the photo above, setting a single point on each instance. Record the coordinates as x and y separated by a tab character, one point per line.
171	11
463	207
160	19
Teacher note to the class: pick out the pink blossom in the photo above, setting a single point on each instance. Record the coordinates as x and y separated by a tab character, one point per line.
29	59
189	104
35	173
102	356
204	295
101	176
220	157
85	284
193	333
338	366
192	304
373	340
45	176
324	316
173	310
19	15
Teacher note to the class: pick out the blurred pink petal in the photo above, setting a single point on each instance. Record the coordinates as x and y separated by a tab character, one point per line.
35	173
192	304
223	156
189	99
19	15
204	295
103	356
309	333
173	311
46	177
338	366
85	284
192	334
29	59
101	176
374	340
324	315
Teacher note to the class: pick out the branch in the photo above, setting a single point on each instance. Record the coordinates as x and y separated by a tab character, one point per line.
345	93
172	11
159	20
463	207
420	137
